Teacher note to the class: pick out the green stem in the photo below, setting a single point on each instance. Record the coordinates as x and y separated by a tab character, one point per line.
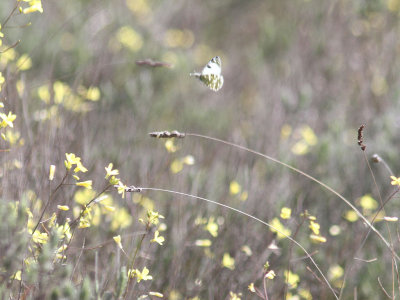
48	201
132	264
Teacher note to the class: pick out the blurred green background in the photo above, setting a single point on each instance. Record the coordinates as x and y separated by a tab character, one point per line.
300	78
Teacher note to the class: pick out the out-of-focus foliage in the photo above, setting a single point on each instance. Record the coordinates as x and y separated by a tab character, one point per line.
299	78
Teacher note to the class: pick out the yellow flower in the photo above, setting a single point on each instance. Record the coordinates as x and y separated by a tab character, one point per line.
305	294
270	275
24	62
157	238
144	275
234	296
188	160
390	219
114	180
110	171
17	275
351	216
228	261
62	248
317	238
153	217
71	159
93	93
300	148
121	188
117	239
80	167
212	227
286	131
281	230
170	146
121	219
129	38
203	243
292	279
2	79
286	213
308	135
7	119
62	207
40	238
368	203
82	197
87	184
335	230
335	272
84	223
314	227
51	172
251	288
395	180
176	166
34	5
156	294
246	249
234	188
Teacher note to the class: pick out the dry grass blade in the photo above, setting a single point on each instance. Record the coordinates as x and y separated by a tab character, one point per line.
252	217
306	175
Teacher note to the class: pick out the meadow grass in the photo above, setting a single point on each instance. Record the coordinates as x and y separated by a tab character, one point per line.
81	83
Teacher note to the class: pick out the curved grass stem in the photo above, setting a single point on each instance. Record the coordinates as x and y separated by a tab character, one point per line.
252	217
387	244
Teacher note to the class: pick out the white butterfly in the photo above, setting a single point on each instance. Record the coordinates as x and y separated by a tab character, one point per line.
211	74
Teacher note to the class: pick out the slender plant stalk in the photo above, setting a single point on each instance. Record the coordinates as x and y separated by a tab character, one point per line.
306	175
132	264
89	203
366	237
290	256
10	15
265	288
252	217
49	200
394	263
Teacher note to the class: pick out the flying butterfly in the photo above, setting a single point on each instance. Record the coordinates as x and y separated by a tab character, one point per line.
211	74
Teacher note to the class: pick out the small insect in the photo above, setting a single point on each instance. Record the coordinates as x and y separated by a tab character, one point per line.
211	74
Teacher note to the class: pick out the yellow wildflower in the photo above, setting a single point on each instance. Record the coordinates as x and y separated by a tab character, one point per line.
110	171
228	261
314	226
292	279
270	275
156	294
203	243
286	213
143	275
157	238
212	227
395	180
63	207
87	184
117	239
34	5
251	288
51	172
234	188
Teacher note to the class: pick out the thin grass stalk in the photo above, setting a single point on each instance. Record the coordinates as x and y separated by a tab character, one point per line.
306	175
249	216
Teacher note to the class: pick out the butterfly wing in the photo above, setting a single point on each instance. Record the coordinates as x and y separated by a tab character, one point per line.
211	74
213	81
213	67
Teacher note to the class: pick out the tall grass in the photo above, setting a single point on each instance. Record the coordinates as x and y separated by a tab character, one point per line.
286	205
